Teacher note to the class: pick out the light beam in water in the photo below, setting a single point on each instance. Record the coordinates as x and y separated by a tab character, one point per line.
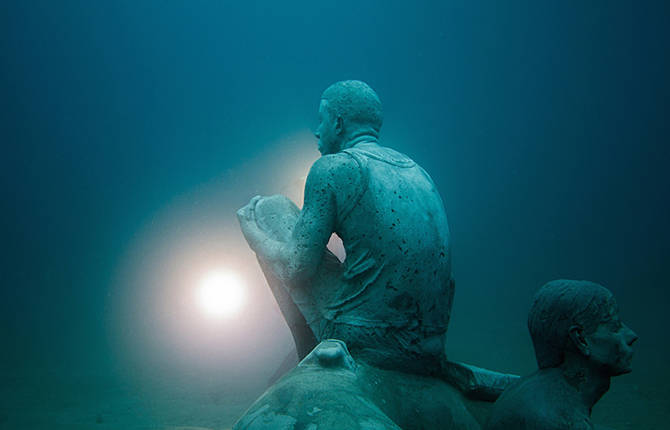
220	294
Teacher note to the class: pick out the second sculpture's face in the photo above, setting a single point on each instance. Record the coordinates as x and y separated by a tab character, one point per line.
326	132
610	345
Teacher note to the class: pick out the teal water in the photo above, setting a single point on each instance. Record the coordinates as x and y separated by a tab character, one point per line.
132	131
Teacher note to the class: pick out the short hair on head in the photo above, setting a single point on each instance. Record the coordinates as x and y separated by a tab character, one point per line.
559	305
355	102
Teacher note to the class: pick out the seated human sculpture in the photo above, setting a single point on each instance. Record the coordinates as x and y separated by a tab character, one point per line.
385	310
390	300
580	343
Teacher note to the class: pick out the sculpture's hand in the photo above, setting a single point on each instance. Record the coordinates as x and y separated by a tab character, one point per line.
246	216
247	213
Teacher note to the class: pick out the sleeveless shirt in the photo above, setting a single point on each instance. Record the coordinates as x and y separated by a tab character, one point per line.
397	271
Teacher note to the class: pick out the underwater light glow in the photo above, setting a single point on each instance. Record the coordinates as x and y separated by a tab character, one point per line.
221	294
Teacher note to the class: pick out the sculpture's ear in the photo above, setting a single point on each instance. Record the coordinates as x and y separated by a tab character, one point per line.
339	125
576	334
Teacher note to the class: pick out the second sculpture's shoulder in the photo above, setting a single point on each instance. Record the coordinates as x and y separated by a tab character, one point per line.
537	401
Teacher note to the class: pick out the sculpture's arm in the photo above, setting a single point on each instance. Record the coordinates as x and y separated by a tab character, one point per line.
298	258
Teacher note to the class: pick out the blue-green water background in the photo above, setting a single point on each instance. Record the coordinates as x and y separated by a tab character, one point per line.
131	131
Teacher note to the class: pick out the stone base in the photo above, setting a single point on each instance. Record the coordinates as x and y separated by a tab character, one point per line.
329	390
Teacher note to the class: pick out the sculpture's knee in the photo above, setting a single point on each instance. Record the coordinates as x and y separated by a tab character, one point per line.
276	216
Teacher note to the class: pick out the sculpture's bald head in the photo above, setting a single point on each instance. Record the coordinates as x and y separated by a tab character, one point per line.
356	103
560	305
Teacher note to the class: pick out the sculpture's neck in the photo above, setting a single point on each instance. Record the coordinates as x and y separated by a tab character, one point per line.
359	138
590	382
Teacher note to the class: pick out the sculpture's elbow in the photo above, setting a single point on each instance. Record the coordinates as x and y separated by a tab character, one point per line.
300	272
292	264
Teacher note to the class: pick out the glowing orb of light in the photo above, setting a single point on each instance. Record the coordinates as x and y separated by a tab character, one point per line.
221	294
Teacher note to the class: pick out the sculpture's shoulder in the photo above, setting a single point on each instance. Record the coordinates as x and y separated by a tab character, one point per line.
333	165
513	409
340	173
537	401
